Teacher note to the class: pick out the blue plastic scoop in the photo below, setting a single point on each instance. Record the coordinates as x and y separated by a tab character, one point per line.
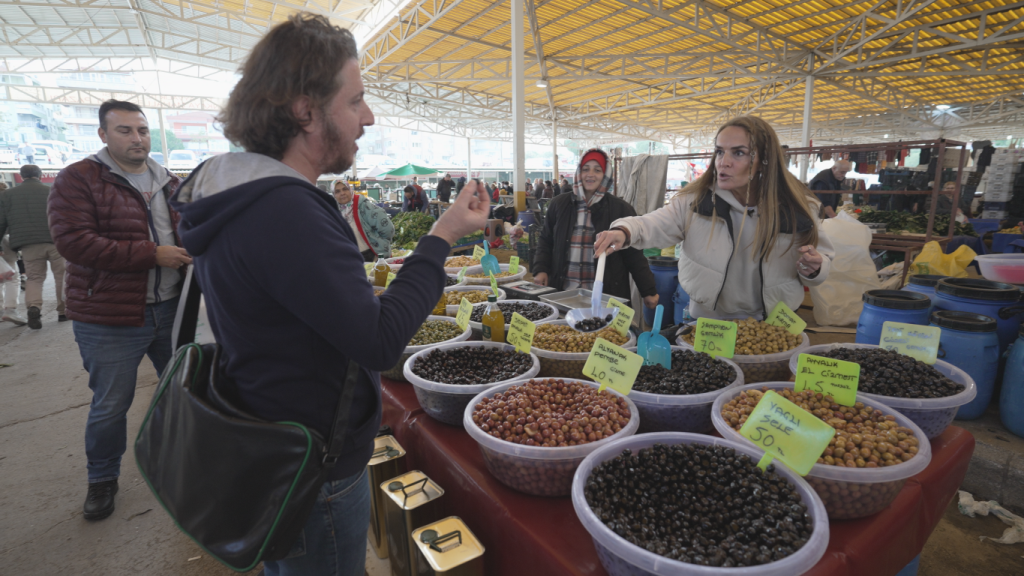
652	346
489	262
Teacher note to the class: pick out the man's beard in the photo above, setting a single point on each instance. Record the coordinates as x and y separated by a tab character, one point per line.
337	159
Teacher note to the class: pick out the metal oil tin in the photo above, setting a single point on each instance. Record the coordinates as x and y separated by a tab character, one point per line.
524	290
448	548
387	461
412	501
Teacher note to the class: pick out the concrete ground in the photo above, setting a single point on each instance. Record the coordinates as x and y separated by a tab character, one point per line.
44	401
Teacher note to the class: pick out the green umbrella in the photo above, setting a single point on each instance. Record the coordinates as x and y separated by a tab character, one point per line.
406	172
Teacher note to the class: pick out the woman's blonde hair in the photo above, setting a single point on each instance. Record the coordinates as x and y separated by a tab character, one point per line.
778	191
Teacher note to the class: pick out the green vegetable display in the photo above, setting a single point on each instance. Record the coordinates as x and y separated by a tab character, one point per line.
410	227
897	222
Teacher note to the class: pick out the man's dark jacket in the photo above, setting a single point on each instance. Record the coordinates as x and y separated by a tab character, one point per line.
552	255
826	180
444	189
23	214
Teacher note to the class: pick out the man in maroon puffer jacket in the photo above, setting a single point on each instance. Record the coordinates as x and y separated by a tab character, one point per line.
110	220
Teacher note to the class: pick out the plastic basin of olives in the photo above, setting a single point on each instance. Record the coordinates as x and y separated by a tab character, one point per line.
552	315
397	372
679	412
764	367
452	310
501	279
447	402
537	470
621	558
932	415
846	492
567	364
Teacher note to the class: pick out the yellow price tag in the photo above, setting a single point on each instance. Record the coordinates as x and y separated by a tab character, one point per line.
513	265
478	252
782	316
462	274
623	319
918	342
787	432
612	367
369	268
464	313
836	378
391	276
494	285
715	337
520	333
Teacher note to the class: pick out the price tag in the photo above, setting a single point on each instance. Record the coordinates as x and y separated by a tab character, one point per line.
478	252
494	285
612	367
835	378
787	432
918	342
462	274
520	333
464	313
513	265
715	337
782	316
623	319
369	268
391	276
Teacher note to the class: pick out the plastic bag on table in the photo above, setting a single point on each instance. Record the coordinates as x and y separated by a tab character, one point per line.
931	260
837	301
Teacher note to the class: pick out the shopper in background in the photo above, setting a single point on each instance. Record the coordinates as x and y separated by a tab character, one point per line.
830	179
746	219
459	184
565	256
548	192
23	214
282	276
27	154
444	188
370	224
566	187
538	188
9	289
110	219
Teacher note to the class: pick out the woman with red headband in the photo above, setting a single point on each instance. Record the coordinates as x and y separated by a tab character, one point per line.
565	257
749	229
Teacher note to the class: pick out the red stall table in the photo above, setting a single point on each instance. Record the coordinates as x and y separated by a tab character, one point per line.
539	536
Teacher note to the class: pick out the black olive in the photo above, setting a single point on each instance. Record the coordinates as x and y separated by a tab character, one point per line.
889	373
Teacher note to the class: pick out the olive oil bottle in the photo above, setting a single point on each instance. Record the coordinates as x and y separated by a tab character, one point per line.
493	322
380	273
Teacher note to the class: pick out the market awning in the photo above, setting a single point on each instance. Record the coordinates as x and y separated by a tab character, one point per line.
408	171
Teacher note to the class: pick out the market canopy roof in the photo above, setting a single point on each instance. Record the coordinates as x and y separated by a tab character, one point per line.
406	172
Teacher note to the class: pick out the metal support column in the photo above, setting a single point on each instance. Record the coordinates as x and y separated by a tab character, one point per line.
163	138
469	159
805	134
518	98
554	153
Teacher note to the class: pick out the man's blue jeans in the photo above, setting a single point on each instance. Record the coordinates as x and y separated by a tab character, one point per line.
111	355
333	542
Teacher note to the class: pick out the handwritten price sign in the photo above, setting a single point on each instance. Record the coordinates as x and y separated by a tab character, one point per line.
464	314
783	316
715	337
623	319
520	333
478	252
836	378
513	265
494	286
612	367
787	432
462	274
918	342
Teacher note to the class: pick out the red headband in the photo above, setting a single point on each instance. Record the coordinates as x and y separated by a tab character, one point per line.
595	155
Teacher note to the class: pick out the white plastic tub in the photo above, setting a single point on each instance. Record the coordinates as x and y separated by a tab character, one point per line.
846	492
566	364
1007	268
453	269
394	264
764	367
622	558
456	278
501	280
447	402
452	310
535	469
397	372
932	415
682	412
478	327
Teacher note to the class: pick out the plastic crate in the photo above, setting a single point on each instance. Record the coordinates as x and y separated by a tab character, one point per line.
993	196
994	206
994	214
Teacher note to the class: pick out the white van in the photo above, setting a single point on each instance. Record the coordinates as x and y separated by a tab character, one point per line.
63	148
182	160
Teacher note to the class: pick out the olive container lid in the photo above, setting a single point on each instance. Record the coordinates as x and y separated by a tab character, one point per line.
978	289
897	299
663	261
411	490
447	544
963	321
926	280
385	448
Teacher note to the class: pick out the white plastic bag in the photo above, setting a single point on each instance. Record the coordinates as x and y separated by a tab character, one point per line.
837	301
6	272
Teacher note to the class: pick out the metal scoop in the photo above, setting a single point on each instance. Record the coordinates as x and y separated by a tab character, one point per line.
577	315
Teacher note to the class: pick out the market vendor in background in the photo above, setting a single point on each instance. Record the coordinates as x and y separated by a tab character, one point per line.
749	229
369	222
565	256
415	200
830	179
444	188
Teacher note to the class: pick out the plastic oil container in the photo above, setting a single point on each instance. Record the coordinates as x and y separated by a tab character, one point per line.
881	306
1011	399
666	272
996	300
923	284
970	343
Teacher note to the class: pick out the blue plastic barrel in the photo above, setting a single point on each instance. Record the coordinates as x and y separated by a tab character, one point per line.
970	343
881	306
1000	242
911	569
996	300
666	272
923	284
681	301
1011	399
528	217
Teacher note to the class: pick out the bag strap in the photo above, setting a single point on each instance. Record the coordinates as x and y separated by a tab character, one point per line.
187	316
339	430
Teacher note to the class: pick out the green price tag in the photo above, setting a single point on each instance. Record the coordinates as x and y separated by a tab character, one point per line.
520	333
623	319
612	366
787	432
715	337
782	316
478	252
918	342
835	378
391	276
462	274
494	285
513	265
464	313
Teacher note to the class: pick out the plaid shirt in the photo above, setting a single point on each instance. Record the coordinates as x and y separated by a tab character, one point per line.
582	265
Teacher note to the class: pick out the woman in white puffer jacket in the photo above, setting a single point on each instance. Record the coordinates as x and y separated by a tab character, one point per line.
749	231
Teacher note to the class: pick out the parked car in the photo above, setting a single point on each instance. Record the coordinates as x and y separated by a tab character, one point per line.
158	157
47	156
8	158
182	160
63	148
